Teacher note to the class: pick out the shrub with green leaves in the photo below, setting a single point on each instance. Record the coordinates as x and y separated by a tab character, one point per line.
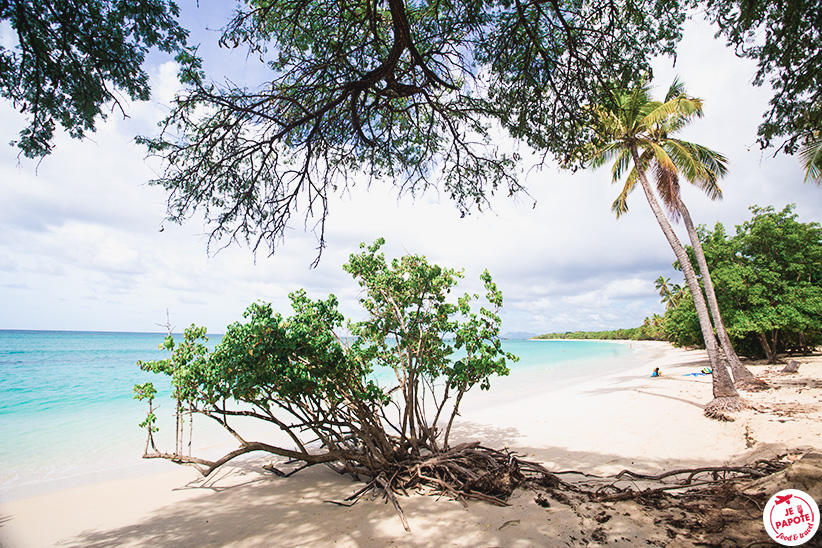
312	374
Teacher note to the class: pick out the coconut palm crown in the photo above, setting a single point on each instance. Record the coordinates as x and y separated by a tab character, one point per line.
635	121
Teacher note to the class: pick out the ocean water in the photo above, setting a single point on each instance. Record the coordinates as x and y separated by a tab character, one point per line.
67	415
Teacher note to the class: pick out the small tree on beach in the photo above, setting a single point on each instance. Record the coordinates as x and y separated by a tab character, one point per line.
302	377
634	130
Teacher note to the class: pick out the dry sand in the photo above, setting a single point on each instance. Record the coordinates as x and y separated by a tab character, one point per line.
604	425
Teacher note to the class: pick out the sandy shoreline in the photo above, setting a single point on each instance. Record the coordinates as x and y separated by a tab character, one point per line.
602	425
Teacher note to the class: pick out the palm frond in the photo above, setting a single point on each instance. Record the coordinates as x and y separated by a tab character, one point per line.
711	159
699	165
622	163
599	156
676	89
667	184
620	205
660	155
679	107
810	155
637	101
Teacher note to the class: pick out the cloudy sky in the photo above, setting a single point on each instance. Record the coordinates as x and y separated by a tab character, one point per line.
82	246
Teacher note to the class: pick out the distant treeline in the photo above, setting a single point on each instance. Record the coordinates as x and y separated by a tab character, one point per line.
650	331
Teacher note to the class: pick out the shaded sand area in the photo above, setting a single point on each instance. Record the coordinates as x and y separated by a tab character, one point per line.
602	425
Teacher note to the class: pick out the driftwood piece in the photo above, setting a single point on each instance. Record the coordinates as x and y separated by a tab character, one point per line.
792	367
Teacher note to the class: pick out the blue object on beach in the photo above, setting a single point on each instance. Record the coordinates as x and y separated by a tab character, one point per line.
705	371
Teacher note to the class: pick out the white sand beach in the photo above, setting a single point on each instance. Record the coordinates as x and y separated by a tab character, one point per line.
602	425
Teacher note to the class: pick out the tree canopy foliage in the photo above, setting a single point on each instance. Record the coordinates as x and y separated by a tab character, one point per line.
378	401
395	91
785	39
412	93
71	59
769	284
371	70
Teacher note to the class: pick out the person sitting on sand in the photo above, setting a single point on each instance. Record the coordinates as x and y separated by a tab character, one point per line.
656	373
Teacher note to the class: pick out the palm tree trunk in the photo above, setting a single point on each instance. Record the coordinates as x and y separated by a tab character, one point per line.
726	398
742	377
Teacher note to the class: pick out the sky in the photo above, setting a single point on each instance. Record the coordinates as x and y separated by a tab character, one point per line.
84	244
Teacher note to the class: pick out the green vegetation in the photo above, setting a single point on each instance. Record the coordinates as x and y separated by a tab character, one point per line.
74	59
768	278
785	39
301	376
398	92
393	82
650	330
811	157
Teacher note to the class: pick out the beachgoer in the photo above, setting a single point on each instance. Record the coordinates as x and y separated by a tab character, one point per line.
656	373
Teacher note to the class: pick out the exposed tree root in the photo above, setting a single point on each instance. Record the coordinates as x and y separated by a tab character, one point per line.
467	471
709	505
719	407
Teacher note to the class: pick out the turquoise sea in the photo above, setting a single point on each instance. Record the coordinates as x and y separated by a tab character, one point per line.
67	416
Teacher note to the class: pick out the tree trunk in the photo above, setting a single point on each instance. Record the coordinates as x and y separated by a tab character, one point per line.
803	345
774	335
726	398
742	377
763	341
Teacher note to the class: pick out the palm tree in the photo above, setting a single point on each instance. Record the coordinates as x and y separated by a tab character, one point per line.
811	157
702	167
669	293
633	130
664	290
743	378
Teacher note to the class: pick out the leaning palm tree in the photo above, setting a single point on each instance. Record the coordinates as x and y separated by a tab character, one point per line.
633	130
743	378
702	167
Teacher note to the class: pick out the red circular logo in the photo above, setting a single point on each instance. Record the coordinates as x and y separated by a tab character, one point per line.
791	517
